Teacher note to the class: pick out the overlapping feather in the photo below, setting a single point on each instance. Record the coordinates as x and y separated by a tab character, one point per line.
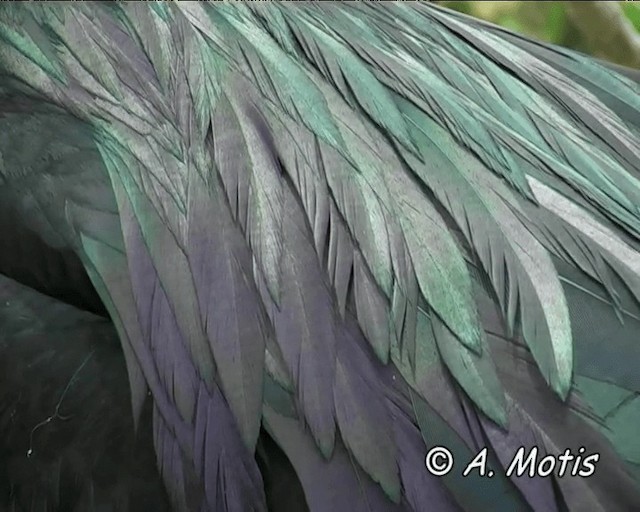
361	165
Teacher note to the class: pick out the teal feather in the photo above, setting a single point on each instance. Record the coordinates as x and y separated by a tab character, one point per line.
343	223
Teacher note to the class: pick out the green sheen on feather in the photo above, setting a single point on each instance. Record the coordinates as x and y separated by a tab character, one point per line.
169	260
520	269
42	55
619	410
298	93
366	89
440	268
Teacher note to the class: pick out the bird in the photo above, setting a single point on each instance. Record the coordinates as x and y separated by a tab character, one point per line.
339	256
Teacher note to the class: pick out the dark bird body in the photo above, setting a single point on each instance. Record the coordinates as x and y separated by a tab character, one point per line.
267	256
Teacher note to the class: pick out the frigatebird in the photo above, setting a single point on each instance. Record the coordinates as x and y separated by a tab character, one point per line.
306	256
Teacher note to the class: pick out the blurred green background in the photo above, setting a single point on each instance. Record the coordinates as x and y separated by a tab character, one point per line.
608	30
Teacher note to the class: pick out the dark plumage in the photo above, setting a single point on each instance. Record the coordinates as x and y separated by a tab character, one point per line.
328	238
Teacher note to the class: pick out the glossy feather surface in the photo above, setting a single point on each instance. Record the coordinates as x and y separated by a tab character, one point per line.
358	231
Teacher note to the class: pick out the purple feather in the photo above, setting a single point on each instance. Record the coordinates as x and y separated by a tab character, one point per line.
361	412
420	486
159	328
185	492
229	303
230	157
305	326
340	258
145	277
236	474
231	478
538	491
335	484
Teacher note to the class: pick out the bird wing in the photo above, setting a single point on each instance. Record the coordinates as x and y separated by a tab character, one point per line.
369	230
